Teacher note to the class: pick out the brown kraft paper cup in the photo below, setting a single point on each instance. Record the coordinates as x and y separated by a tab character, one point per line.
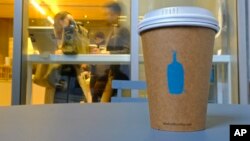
179	106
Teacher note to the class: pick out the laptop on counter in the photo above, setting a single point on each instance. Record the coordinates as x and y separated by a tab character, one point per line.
43	39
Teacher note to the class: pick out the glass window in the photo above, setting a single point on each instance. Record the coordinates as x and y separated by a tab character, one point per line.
224	75
6	48
76	48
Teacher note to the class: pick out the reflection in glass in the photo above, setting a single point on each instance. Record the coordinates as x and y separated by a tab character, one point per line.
102	28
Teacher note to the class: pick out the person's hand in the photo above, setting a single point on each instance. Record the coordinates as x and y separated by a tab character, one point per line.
85	75
59	52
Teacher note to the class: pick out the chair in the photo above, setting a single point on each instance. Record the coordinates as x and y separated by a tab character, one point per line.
127	84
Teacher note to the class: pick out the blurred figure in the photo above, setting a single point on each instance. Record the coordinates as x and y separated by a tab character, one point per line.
61	20
70	34
119	37
118	42
100	43
64	20
99	73
100	39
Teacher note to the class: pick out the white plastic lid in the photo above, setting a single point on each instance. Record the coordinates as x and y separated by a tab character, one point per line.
178	16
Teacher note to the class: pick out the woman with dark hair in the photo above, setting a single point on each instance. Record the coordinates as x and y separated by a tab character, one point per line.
62	20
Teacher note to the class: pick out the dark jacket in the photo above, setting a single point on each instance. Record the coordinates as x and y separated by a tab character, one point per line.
119	43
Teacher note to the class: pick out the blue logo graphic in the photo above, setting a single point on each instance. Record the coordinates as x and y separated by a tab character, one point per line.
175	76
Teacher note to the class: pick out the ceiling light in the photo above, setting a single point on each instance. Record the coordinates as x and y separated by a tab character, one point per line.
38	7
50	19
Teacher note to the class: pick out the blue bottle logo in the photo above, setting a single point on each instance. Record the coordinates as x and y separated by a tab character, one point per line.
175	76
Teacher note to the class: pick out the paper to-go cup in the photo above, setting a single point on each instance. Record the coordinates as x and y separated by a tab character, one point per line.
178	48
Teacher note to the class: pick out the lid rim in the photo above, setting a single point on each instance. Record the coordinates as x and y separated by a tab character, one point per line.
179	16
177	24
197	17
147	22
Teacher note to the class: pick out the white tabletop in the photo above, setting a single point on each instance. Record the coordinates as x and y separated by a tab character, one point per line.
108	122
101	59
81	58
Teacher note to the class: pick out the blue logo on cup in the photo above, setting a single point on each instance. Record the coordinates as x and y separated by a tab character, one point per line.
175	76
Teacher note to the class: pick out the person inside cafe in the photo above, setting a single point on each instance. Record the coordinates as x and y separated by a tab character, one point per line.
118	42
62	21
